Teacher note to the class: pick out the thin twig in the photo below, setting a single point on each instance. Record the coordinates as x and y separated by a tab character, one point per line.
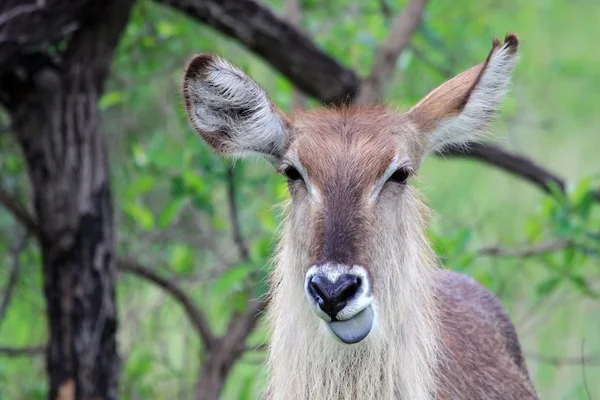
398	40
195	315
386	11
560	361
583	362
441	69
22	351
21	10
14	274
18	211
515	164
293	14
234	215
542	248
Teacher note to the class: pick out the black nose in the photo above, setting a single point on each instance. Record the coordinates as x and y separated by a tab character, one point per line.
333	296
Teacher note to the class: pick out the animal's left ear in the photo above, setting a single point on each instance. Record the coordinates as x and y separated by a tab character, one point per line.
458	110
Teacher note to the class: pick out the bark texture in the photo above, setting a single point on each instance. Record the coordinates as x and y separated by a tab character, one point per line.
53	104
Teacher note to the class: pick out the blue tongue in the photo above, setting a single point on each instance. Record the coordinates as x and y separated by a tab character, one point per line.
354	329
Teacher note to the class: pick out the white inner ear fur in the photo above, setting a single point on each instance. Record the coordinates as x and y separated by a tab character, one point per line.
484	100
258	128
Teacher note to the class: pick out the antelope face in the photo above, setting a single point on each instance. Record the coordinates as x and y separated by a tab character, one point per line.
347	170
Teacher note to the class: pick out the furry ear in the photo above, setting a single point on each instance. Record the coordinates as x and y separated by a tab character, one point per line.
230	111
458	110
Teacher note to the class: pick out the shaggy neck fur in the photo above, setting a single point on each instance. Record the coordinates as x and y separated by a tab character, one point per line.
398	359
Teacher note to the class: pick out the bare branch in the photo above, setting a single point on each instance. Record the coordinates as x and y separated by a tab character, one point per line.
443	70
14	275
293	13
517	165
22	351
18	211
196	316
21	10
233	214
286	48
542	248
386	11
590	360
398	40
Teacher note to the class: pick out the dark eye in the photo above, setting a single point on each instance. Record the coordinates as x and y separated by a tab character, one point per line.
400	176
292	173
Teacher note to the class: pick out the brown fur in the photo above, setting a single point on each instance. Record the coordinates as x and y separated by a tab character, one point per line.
481	355
345	163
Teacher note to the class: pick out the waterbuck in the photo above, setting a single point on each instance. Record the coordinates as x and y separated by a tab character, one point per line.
359	307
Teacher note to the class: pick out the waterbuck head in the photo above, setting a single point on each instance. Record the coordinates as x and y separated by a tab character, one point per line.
352	208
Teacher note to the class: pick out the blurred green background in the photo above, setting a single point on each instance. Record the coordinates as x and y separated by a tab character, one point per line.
170	190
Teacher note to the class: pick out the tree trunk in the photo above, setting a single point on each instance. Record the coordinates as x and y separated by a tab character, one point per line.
213	375
55	118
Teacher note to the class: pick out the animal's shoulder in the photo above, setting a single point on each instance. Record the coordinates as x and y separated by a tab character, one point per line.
479	342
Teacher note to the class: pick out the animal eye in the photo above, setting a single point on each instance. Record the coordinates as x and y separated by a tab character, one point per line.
400	176
292	173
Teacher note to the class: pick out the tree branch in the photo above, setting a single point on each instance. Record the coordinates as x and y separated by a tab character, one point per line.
286	48
19	212
293	14
517	165
593	360
22	351
14	275
21	10
234	215
196	316
542	248
386	57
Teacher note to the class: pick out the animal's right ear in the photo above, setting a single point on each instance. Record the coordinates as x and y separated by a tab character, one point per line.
230	111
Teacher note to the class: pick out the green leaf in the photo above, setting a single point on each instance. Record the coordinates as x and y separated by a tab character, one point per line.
140	214
139	155
245	388
582	284
239	301
182	259
140	186
533	229
548	286
582	189
203	202
261	248
234	276
557	193
584	206
139	365
178	188
193	182
466	260
261	286
169	213
569	256
165	29
110	99
462	240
